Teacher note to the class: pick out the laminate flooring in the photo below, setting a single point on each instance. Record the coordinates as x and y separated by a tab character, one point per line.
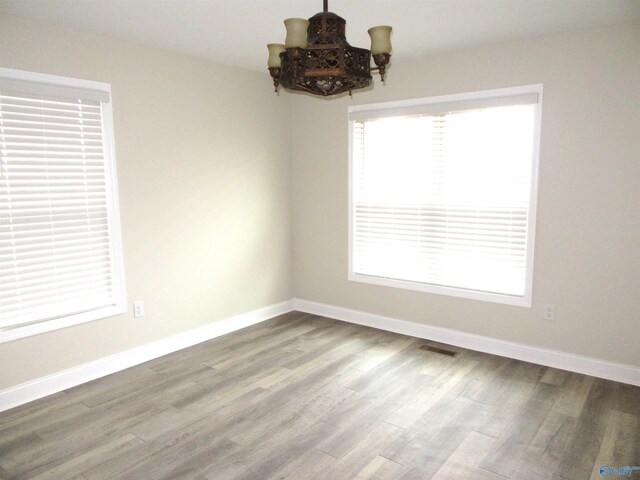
307	397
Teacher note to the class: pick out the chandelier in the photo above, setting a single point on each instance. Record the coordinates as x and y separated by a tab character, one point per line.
316	57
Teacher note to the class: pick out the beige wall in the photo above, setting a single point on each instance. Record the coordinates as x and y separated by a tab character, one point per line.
203	158
204	168
587	257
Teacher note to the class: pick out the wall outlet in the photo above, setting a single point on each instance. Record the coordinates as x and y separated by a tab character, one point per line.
549	312
138	309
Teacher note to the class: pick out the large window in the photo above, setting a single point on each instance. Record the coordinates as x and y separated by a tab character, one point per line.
443	194
60	254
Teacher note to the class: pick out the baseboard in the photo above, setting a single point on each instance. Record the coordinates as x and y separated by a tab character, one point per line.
41	387
551	358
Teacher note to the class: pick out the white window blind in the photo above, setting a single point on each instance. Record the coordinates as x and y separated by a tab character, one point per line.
441	198
60	260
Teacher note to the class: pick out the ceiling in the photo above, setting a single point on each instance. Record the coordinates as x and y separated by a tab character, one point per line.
235	32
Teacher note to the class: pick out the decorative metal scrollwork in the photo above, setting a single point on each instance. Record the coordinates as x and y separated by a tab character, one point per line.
328	65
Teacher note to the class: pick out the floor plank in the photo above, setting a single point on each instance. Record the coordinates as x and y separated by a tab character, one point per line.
305	397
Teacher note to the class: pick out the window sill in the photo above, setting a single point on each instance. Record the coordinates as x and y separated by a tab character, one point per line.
518	301
58	323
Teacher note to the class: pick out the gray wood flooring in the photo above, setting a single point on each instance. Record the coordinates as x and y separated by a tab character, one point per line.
305	397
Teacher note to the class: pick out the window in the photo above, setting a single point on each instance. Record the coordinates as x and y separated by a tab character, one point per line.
60	247
443	194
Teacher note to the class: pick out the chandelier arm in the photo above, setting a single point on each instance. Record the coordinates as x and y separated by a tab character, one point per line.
275	74
381	60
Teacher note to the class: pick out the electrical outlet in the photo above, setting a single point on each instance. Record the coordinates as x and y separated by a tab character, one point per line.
549	312
138	309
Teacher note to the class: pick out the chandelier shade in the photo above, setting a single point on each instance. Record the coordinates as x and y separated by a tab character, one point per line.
380	39
275	49
316	57
296	32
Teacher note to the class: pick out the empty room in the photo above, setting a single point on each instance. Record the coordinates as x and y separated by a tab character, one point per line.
319	240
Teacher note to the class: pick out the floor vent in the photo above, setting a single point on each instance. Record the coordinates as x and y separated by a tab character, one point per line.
441	351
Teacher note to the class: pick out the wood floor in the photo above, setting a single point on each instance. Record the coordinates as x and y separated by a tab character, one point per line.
305	397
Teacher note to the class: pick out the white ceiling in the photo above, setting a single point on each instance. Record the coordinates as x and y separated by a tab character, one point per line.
235	32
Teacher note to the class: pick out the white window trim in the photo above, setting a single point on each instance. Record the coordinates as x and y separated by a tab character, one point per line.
520	301
116	234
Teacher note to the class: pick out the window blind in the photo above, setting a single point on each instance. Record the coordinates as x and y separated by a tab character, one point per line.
57	207
443	198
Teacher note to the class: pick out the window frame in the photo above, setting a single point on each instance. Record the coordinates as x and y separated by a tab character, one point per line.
111	177
514	300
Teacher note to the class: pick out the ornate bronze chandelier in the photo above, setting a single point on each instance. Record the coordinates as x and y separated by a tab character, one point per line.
316	57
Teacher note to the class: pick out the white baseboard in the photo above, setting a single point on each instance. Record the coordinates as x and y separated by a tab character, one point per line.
41	387
542	356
